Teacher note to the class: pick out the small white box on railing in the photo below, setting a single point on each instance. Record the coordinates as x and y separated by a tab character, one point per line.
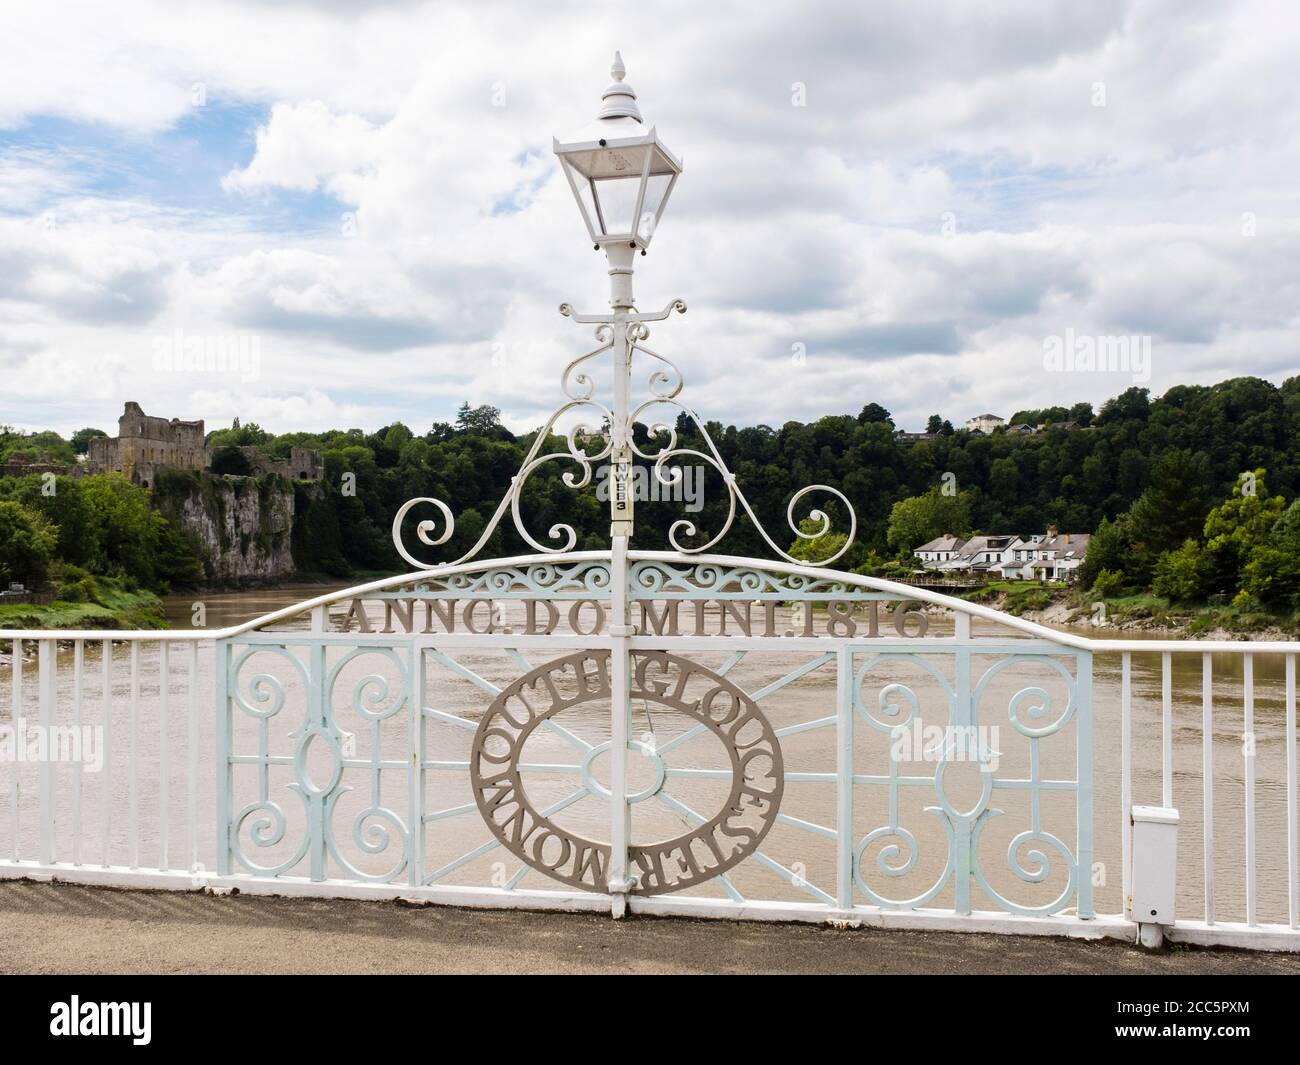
1154	864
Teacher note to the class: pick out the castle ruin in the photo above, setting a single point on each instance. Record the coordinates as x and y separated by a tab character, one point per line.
144	445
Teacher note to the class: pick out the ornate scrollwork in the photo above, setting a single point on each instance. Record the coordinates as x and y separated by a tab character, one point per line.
664	384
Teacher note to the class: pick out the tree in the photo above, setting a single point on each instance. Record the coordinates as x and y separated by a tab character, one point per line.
231	461
1272	571
26	545
915	521
1107	552
934	424
82	437
480	420
1180	574
874	412
1235	528
1169	512
817	550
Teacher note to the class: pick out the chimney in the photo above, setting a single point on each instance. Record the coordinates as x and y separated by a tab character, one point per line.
1051	532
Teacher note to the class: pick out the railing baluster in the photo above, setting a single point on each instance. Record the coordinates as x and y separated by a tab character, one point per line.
47	678
1166	731
1207	779
192	791
106	784
1292	869
16	679
133	777
164	765
15	712
1248	753
78	693
1126	776
844	777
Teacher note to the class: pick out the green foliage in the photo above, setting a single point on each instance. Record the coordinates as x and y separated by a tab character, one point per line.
1272	570
27	543
1142	474
1235	529
1107	553
82	437
48	447
1107	583
1180	574
250	435
919	519
228	460
816	550
107	526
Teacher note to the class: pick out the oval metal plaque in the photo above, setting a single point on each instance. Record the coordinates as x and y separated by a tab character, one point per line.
727	837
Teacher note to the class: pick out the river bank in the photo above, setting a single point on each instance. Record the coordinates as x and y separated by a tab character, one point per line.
107	605
1059	606
104	603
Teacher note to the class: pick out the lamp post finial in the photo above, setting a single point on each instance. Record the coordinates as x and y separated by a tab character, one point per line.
619	98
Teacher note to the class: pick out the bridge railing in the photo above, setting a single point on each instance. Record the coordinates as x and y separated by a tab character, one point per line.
107	765
127	789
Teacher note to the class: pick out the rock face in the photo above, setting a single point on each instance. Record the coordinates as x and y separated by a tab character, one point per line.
244	524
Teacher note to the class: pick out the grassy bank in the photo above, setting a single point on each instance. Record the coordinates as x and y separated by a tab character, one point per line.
90	603
1059	604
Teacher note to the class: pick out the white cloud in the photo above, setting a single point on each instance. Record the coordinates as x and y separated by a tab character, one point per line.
949	196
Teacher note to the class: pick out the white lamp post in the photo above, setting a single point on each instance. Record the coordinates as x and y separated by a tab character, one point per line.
621	175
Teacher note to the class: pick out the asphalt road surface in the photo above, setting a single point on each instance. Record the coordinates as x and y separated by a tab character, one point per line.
62	928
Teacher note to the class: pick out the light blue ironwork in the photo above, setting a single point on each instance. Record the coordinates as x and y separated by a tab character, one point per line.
307	686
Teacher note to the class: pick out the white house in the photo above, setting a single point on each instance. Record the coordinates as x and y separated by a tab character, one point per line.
984	423
1017	556
1050	556
1059	555
978	554
940	549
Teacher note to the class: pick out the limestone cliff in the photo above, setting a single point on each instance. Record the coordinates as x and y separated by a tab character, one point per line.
243	524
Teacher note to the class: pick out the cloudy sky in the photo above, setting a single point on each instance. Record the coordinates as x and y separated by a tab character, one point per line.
913	197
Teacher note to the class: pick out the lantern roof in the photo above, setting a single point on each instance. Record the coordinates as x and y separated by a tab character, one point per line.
619	124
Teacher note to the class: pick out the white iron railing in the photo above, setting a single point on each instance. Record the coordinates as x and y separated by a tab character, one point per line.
149	816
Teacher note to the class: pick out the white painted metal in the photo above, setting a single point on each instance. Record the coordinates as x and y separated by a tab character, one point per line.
1126	778
1155	864
164	763
1207	781
620	716
1258	934
78	694
1166	731
844	780
192	758
1248	755
106	774
48	679
1292	843
133	770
